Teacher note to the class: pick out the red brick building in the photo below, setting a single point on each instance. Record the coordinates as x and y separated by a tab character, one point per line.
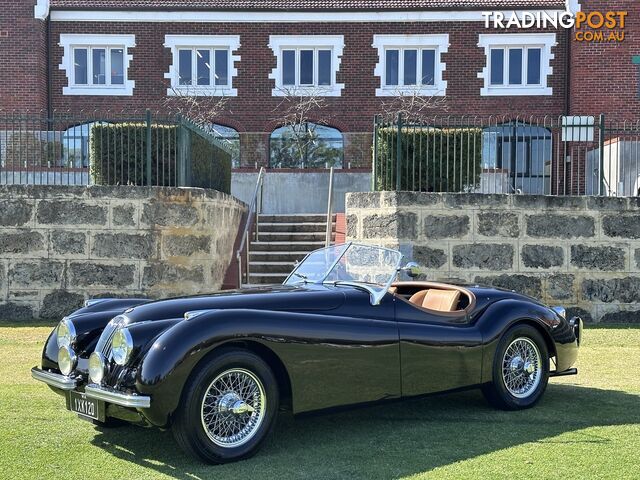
61	55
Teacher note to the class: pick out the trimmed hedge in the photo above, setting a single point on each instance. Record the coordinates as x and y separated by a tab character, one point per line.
180	156
432	160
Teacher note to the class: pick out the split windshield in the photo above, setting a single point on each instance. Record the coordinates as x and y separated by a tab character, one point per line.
375	267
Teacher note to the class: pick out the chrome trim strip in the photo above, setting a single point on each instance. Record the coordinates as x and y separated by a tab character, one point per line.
118	398
54	379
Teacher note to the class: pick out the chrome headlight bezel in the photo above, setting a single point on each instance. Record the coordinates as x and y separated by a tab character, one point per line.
66	333
121	346
67	360
97	367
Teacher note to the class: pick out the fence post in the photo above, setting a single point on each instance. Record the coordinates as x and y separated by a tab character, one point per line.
149	149
180	163
601	159
375	153
399	153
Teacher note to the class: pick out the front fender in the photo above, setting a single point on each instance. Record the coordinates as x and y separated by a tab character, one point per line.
501	315
172	357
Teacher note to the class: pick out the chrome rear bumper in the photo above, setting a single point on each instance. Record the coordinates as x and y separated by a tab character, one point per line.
118	398
55	380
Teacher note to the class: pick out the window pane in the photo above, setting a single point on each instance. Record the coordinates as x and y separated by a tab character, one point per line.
324	67
117	66
533	66
184	67
306	67
99	56
80	66
428	67
203	67
288	67
391	62
497	66
222	67
515	66
410	67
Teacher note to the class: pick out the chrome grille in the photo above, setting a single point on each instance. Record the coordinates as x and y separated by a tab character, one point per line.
104	343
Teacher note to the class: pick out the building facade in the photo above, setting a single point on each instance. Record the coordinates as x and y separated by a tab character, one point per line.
352	58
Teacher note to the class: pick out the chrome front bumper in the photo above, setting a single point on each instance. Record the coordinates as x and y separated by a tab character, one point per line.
92	390
54	379
118	398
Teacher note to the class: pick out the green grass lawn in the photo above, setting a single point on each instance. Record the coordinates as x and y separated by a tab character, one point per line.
587	426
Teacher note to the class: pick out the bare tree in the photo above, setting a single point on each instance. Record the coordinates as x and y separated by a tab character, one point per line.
201	106
412	104
302	111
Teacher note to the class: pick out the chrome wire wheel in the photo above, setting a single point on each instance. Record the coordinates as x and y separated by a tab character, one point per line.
522	367
233	408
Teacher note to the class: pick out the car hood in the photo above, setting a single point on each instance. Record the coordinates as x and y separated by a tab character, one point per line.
315	298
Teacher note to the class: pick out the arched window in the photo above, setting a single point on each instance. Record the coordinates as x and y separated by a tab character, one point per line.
75	145
307	145
520	152
229	137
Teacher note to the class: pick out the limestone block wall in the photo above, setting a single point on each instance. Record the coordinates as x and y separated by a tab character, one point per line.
61	245
579	252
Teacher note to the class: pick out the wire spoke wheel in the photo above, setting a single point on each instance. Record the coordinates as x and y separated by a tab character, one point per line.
233	408
522	367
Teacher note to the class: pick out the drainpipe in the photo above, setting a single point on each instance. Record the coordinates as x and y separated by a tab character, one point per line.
567	70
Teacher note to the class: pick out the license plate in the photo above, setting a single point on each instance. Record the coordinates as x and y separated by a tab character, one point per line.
86	407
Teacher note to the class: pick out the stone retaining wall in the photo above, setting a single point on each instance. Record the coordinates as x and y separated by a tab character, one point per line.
580	252
61	245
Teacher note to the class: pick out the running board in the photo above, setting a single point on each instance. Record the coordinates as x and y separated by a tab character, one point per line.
571	371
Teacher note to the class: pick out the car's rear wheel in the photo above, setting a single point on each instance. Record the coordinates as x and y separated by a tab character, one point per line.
520	369
228	407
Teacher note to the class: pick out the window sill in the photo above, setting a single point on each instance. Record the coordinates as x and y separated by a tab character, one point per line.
429	91
125	91
311	91
516	91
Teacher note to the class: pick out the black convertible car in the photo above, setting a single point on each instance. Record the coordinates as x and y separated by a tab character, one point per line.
341	330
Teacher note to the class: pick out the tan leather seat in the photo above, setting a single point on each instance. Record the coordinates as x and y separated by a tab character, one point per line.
434	299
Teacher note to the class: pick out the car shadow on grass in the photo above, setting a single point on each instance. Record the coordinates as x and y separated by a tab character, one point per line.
392	440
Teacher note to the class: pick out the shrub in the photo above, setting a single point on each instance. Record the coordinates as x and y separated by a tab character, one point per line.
431	160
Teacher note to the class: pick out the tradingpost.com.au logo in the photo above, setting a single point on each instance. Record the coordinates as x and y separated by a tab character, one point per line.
595	26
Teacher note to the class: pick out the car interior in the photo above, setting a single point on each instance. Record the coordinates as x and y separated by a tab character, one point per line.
438	297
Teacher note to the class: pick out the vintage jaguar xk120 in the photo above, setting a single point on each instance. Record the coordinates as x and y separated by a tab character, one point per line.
341	330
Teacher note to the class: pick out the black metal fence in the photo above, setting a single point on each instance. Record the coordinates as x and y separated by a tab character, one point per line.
140	148
577	155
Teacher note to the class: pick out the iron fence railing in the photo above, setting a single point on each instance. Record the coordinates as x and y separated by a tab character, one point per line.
134	148
577	155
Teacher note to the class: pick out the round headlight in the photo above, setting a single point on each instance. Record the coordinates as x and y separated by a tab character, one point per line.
67	360
96	367
66	333
121	346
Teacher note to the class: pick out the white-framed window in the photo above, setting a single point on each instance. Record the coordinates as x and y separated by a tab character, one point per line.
411	64
517	64
306	64
202	65
97	64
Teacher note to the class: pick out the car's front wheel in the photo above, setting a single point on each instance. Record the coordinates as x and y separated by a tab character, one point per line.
228	407
520	369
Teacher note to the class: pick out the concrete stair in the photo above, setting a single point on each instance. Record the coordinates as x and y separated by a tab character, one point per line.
282	240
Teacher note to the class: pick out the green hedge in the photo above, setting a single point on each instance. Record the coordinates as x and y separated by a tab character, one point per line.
431	160
180	156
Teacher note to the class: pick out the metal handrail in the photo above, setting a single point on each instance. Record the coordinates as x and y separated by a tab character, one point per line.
329	210
255	208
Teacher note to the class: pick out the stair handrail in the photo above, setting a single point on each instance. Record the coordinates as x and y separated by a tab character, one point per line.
329	211
255	208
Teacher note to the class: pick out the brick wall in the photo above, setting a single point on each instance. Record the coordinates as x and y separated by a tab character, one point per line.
62	245
603	78
23	59
579	252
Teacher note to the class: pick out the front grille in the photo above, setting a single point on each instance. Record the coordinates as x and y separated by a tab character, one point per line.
104	343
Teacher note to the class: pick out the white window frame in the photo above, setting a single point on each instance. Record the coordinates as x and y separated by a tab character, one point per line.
71	42
231	43
439	43
506	41
279	43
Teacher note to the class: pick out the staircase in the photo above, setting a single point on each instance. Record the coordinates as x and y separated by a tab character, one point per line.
281	241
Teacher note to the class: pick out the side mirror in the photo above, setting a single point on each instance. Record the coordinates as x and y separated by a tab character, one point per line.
412	269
